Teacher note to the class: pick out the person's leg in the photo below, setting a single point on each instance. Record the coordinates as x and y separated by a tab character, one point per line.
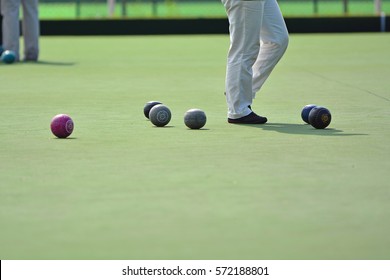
274	41
11	29
1	28
30	29
245	19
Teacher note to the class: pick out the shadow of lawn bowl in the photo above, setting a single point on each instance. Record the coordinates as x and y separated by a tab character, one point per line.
302	129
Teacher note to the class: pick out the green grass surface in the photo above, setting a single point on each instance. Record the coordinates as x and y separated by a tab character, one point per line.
121	188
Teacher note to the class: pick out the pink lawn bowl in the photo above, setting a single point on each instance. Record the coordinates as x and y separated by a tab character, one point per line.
62	126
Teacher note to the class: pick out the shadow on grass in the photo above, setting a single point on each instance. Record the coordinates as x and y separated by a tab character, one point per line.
67	138
198	129
303	129
52	63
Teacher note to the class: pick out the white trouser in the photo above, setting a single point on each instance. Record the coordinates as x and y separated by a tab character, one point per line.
30	27
258	39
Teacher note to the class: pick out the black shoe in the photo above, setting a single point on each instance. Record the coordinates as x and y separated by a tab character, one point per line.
252	118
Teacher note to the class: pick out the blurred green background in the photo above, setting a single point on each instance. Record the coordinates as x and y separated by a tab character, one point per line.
68	9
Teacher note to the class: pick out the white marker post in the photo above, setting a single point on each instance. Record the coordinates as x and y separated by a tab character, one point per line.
381	14
383	22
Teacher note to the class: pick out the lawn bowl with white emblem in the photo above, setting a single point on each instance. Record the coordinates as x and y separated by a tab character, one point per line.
160	115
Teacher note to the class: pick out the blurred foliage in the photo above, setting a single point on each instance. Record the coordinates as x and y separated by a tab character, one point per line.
60	9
